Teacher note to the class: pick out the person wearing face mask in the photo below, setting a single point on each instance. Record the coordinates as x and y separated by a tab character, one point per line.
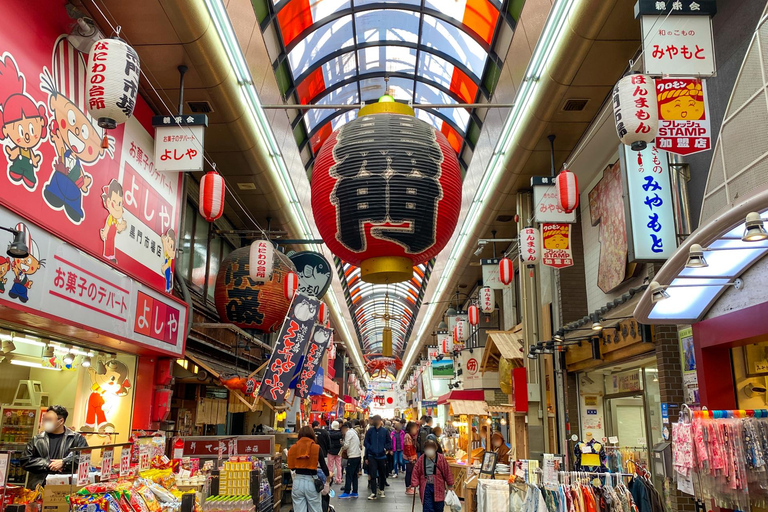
500	447
50	452
432	475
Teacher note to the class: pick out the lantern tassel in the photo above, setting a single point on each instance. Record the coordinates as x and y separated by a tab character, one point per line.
105	141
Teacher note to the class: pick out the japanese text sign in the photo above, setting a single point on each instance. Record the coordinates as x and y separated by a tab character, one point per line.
676	7
678	45
445	343
261	261
556	249
83	464
125	461
683	116
547	206
106	463
491	277
321	338
289	348
650	215
179	142
144	457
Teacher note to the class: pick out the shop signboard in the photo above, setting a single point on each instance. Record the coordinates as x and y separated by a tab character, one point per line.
678	45
556	248
321	337
491	274
625	382
289	348
649	214
442	369
445	343
83	465
179	142
125	461
110	202
546	205
471	374
684	126
676	7
314	273
106	463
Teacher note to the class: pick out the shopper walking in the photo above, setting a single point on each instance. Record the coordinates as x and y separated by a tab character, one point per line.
322	437
334	451
304	458
398	440
377	445
424	431
433	477
350	449
409	453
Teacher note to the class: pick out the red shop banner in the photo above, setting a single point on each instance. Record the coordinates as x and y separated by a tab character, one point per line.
107	201
684	126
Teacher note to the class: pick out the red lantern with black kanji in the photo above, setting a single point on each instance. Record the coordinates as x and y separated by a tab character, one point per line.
212	190
386	192
473	315
506	271
290	285
567	190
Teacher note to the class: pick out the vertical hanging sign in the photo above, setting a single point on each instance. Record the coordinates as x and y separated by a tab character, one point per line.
684	126
556	245
179	142
321	338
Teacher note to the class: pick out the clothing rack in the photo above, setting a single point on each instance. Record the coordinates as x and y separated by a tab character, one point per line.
723	414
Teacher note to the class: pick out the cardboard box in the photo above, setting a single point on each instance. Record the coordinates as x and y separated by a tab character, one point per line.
54	497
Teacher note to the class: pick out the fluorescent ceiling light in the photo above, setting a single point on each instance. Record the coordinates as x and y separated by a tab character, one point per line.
32	364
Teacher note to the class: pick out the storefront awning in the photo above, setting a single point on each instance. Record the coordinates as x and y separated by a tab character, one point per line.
461	394
687	292
502	344
216	368
330	385
469	407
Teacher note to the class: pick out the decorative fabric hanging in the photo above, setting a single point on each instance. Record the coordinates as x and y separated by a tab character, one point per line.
487	299
530	246
506	271
635	110
567	190
212	190
473	314
290	285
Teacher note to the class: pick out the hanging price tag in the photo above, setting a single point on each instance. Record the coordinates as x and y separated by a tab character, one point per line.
231	448
106	464
143	457
125	460
84	462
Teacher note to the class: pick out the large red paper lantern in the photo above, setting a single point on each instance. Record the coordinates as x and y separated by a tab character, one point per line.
212	191
506	271
245	303
386	192
567	190
473	315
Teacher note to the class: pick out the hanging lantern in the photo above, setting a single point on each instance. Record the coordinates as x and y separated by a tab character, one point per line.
473	314
386	342
635	111
322	313
506	271
112	82
212	189
530	246
261	261
290	285
402	210
460	331
487	299
567	190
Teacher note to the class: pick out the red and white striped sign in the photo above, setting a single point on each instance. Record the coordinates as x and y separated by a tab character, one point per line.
473	314
506	271
212	191
486	299
568	190
290	285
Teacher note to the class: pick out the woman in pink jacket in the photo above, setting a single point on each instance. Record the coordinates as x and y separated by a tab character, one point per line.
432	476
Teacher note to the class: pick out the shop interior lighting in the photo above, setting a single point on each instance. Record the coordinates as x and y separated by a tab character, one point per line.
597	324
250	97
48	351
503	420
442	326
8	345
659	292
754	230
550	38
69	357
18	248
33	364
86	362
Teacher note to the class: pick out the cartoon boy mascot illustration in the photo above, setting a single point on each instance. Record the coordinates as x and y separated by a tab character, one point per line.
5	266
25	267
112	197
75	137
108	380
685	103
169	254
22	125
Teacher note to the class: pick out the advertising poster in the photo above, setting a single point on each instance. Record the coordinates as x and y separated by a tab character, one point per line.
688	360
321	337
556	248
683	116
442	369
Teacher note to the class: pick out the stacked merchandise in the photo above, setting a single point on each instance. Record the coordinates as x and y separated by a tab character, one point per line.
235	478
153	491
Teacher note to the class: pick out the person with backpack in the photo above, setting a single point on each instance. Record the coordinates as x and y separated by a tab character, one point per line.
424	431
433	477
334	456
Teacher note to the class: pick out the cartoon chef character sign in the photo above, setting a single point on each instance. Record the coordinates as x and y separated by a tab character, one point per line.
109	383
305	310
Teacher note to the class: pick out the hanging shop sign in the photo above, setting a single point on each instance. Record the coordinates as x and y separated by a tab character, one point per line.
678	45
530	246
442	369
461	330
491	274
261	261
321	338
634	110
68	287
371	209
684	126
546	201
432	353
290	346
486	299
445	343
556	249
648	207
472	376
108	200
676	7
179	142
314	273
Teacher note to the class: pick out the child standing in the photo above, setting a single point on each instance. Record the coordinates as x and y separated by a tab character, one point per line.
398	441
433	477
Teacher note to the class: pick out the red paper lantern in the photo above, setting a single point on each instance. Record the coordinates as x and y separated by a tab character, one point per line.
568	190
473	314
402	210
487	300
212	189
506	271
290	285
460	331
322	313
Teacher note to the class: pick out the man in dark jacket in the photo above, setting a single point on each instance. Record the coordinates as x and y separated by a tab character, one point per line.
323	437
424	431
378	444
51	452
